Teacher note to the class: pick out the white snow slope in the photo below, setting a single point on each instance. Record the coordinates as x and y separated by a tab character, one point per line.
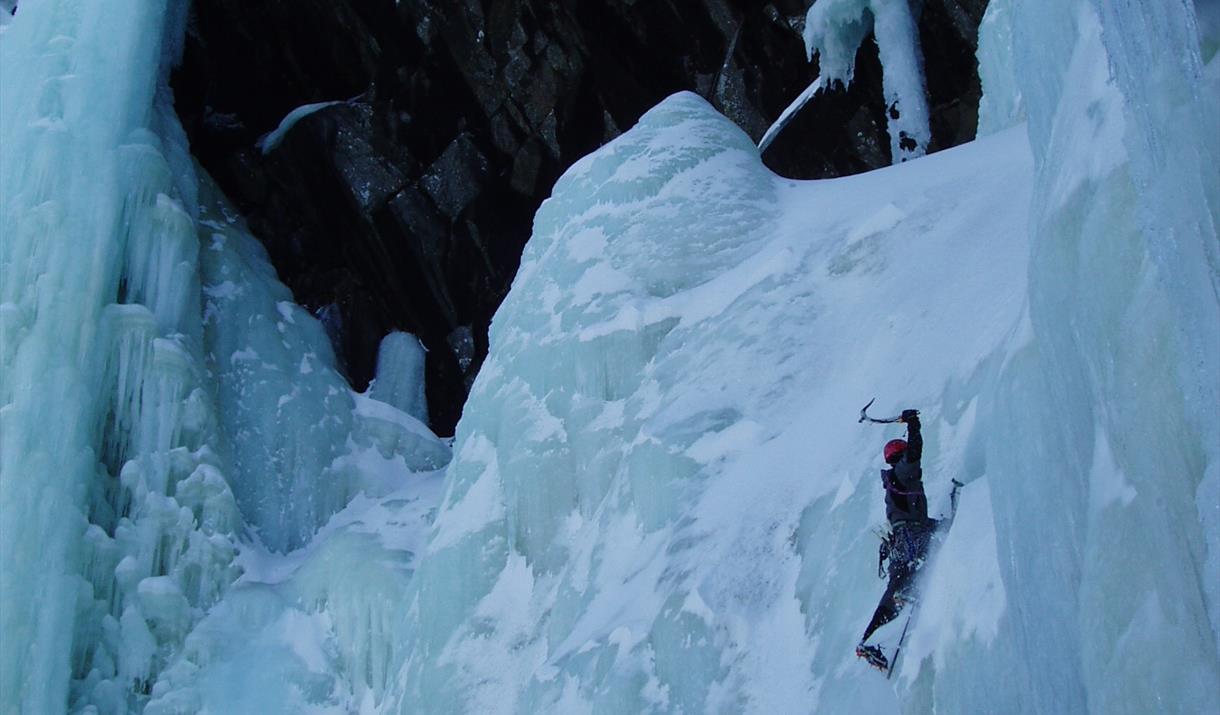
660	499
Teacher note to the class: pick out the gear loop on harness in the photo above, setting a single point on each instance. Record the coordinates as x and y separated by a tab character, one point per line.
883	552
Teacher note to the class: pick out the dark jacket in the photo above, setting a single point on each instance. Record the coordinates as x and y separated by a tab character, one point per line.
904	495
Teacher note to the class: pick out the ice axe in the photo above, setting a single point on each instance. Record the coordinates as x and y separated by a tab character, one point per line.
865	418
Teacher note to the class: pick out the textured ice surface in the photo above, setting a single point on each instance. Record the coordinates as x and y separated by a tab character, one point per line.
400	375
279	394
1121	370
1207	13
318	630
167	413
660	500
117	526
1000	106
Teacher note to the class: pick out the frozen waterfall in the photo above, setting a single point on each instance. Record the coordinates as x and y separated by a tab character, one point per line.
167	414
659	499
660	502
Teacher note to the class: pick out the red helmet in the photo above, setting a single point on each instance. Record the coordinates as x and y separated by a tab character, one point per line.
894	449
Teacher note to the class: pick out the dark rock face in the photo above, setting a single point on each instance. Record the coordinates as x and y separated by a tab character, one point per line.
406	205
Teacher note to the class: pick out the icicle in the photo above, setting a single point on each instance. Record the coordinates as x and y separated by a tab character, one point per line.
103	412
789	112
902	80
834	30
130	330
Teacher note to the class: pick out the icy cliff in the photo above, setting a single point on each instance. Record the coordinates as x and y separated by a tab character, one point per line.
660	500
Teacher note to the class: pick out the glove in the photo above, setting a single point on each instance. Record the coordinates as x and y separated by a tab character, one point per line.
909	416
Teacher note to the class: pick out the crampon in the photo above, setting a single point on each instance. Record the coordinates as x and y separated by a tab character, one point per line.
873	655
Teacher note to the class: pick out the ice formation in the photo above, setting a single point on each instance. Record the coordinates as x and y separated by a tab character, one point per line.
400	375
272	139
276	385
649	509
117	526
1000	106
167	411
1119	381
834	30
659	499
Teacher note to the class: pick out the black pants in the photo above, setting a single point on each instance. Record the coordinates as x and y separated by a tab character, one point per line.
908	547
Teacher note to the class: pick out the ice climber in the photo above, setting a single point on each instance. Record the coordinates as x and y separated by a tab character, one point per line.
906	508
